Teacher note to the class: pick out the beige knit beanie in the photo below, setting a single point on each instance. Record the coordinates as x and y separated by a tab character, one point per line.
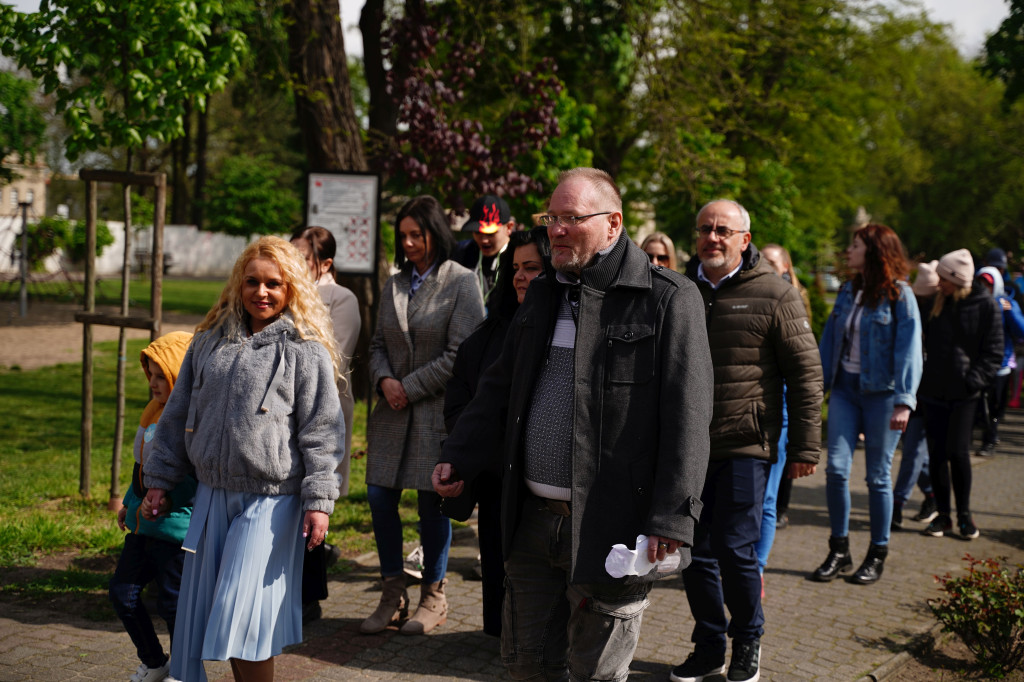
927	281
957	267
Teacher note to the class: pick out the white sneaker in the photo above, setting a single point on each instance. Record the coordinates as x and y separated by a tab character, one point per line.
171	679
146	674
414	563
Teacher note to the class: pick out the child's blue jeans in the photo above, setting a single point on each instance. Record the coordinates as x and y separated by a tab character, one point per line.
145	560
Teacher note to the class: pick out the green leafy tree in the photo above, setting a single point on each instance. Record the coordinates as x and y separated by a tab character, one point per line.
22	126
123	72
1004	52
252	196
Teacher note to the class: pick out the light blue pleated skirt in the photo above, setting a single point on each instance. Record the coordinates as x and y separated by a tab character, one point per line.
241	588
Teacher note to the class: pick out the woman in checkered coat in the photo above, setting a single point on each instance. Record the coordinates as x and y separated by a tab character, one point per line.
426	311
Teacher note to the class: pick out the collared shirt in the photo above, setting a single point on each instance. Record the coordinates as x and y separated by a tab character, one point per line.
702	277
418	279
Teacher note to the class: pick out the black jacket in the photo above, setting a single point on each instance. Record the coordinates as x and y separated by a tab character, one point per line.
642	405
963	346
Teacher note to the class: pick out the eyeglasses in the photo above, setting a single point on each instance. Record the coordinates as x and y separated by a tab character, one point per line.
722	232
566	220
661	258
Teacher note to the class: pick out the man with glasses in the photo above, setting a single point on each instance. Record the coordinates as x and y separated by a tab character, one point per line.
760	338
597	413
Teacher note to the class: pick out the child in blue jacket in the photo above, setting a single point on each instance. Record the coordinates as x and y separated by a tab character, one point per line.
152	549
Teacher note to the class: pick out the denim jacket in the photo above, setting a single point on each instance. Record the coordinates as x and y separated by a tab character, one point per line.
890	345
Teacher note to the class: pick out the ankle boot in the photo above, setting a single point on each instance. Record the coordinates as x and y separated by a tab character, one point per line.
394	602
837	562
432	611
871	570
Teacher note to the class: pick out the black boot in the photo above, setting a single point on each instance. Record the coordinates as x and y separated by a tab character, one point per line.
837	562
871	570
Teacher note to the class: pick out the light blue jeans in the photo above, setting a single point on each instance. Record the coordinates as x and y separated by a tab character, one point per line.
913	463
851	413
770	515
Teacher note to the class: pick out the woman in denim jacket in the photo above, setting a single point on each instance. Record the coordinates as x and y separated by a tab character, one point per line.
871	356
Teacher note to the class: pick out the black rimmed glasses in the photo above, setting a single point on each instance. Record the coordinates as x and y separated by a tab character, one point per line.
567	220
721	231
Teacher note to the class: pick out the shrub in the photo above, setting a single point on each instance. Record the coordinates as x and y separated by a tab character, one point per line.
44	238
985	608
74	248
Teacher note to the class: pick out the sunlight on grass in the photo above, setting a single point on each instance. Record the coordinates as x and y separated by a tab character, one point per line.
41	511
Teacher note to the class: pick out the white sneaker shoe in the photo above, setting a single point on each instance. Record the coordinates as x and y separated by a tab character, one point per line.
414	563
146	674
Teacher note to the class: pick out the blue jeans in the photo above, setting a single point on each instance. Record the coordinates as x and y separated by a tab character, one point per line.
770	515
556	630
724	570
435	532
913	463
851	413
144	560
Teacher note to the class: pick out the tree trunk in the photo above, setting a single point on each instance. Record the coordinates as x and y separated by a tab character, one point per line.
179	169
202	140
330	131
323	97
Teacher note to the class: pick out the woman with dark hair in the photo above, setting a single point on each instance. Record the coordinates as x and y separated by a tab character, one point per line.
963	340
426	311
318	247
871	356
528	255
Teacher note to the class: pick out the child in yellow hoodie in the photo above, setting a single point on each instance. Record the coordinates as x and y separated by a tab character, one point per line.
152	549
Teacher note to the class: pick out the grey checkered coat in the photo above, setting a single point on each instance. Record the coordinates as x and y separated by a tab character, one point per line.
415	342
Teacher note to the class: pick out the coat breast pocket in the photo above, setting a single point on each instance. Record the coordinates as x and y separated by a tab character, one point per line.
630	354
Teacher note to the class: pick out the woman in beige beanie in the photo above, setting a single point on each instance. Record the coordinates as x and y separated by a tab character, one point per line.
963	340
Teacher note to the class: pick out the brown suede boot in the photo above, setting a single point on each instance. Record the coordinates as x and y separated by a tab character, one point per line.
394	602
432	611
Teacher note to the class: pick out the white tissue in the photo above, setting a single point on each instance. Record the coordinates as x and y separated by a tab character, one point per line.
622	561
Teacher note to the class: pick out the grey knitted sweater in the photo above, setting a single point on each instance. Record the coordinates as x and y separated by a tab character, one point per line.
256	415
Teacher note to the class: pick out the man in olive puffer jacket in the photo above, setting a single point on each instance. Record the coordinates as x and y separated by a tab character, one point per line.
760	339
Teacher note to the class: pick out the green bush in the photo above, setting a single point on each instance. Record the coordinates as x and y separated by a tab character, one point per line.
985	608
74	248
44	238
54	232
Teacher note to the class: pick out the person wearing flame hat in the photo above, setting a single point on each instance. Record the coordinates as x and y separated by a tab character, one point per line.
490	222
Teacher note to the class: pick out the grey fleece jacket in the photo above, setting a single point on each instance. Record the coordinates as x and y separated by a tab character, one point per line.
259	415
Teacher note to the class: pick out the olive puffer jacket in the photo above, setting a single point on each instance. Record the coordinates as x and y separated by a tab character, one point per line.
760	338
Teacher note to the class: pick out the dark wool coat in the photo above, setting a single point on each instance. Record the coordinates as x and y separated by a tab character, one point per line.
963	346
760	337
642	405
415	342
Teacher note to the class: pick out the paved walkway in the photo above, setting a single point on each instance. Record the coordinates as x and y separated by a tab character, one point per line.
814	631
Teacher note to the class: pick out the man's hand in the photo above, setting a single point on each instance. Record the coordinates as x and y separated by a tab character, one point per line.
658	547
122	514
800	469
446	481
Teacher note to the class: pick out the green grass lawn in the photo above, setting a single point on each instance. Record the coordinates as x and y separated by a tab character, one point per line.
41	511
186	296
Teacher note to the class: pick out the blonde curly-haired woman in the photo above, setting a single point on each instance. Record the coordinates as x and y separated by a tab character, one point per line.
256	416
